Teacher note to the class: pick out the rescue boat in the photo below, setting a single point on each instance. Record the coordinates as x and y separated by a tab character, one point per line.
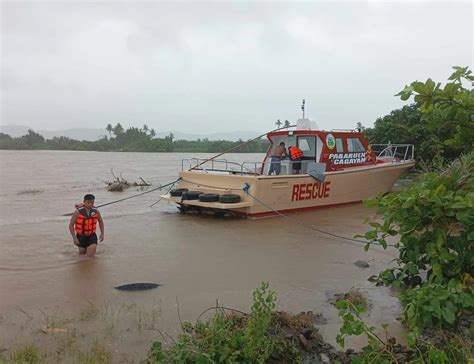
337	167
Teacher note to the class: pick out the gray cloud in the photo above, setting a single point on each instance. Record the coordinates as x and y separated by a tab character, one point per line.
221	66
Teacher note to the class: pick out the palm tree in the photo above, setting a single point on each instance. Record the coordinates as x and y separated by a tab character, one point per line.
287	124
278	123
109	130
359	126
145	128
118	129
152	133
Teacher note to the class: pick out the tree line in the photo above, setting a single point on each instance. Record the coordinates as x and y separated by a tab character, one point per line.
439	123
132	139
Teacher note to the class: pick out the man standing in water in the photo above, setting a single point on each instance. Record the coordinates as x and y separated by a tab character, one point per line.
82	226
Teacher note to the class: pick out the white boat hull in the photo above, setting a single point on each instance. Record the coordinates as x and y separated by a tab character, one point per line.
290	193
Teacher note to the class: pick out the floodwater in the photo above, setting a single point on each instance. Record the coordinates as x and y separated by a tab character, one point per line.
199	260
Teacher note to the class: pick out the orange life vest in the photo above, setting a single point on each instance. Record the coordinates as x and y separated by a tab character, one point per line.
370	155
295	153
86	224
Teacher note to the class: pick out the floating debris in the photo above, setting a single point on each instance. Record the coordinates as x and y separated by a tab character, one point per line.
29	191
137	286
53	330
354	296
118	183
362	264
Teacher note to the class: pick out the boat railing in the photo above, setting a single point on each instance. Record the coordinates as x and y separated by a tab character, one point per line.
394	153
244	168
221	165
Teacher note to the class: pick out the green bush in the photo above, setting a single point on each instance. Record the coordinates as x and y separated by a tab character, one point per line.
434	223
446	111
442	348
224	338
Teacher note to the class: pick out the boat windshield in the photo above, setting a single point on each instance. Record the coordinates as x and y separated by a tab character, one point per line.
289	140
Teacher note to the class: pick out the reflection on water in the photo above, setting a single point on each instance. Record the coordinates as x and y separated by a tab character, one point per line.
85	281
197	259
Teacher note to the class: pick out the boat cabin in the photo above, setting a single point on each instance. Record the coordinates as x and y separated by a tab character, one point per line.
335	149
322	152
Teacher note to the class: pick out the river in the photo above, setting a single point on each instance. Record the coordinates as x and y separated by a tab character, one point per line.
44	283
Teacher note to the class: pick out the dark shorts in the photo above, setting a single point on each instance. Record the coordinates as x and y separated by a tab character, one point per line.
85	241
297	164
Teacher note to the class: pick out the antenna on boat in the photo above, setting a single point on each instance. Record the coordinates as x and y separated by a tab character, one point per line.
302	107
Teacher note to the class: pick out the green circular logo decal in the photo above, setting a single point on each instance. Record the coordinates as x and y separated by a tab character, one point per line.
330	141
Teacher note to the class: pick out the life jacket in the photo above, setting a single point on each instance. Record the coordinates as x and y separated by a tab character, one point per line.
370	155
295	153
86	225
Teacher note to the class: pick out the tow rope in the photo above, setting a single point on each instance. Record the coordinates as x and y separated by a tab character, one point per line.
133	196
302	223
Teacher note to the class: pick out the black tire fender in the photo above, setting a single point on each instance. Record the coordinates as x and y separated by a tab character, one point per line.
230	198
191	195
177	192
208	197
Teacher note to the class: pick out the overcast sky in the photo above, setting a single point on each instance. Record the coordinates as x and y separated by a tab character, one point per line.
221	66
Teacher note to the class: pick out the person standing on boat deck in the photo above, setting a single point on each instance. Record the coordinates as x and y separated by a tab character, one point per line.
296	156
278	153
82	226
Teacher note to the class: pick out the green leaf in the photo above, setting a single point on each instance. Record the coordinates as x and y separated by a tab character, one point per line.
420	88
375	225
340	340
437	269
410	311
440	190
342	304
458	205
447	256
440	240
430	86
411	338
449	316
371	235
371	202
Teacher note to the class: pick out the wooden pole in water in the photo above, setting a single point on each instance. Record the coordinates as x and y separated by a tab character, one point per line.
238	146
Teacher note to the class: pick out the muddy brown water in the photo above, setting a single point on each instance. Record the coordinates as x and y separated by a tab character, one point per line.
198	260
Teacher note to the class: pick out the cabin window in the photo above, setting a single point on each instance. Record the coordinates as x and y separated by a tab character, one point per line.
354	145
304	146
307	144
277	139
339	145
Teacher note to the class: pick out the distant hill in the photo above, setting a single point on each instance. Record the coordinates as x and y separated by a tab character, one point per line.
95	134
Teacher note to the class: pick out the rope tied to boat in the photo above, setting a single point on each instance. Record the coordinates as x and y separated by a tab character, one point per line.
246	188
238	146
138	194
